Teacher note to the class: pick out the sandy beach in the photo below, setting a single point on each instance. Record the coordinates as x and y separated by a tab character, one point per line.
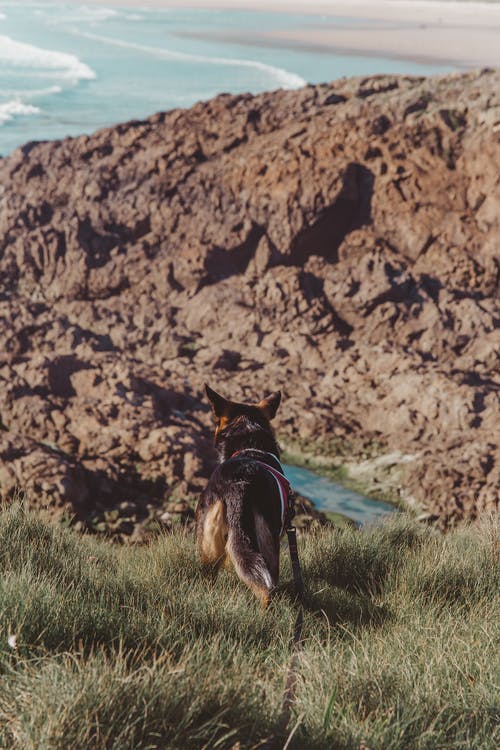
464	34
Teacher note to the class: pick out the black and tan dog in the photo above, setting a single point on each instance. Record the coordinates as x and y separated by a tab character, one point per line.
243	510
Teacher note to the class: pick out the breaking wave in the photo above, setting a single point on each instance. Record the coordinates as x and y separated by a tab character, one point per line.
14	108
285	78
19	55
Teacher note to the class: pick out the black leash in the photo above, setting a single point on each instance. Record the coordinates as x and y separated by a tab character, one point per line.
291	533
291	678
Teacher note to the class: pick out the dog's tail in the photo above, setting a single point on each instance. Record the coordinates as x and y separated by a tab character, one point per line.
251	564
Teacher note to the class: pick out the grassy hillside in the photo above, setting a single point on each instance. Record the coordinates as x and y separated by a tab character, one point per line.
122	647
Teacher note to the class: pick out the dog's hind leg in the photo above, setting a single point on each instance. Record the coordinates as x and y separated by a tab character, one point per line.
212	537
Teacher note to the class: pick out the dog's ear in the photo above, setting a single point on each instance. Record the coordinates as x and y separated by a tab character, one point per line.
269	405
220	405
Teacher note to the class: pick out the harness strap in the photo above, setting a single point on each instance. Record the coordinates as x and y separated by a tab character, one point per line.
256	450
284	490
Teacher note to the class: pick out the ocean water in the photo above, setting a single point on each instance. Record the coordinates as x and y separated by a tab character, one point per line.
67	69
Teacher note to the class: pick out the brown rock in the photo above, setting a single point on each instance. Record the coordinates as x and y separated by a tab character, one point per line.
339	242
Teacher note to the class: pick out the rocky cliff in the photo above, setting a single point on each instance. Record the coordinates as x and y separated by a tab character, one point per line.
340	242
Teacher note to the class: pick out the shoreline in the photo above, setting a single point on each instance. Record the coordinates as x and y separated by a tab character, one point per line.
315	45
462	34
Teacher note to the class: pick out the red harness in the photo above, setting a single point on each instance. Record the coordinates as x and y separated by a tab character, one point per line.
282	483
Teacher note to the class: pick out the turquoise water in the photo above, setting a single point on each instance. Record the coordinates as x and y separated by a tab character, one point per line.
67	69
330	496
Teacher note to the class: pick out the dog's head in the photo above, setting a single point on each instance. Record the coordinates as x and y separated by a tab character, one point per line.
235	418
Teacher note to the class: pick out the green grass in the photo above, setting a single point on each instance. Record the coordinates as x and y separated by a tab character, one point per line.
131	647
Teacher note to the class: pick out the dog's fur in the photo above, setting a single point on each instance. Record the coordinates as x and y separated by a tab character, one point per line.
238	518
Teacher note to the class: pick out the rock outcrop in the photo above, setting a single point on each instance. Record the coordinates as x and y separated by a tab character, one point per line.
340	242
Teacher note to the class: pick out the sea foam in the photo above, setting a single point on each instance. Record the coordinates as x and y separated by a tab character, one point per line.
21	55
84	14
31	93
13	108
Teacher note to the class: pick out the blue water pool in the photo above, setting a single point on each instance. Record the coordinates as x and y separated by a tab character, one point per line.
330	496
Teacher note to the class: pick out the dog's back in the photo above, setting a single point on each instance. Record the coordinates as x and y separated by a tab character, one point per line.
239	517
